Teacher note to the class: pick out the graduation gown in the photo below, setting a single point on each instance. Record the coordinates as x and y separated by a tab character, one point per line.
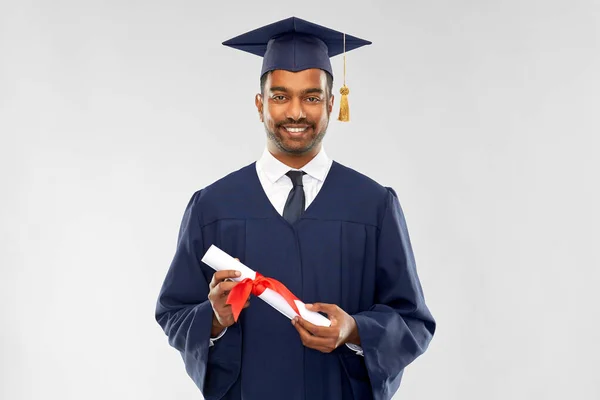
351	248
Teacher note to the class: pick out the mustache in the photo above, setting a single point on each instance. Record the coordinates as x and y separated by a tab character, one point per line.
289	121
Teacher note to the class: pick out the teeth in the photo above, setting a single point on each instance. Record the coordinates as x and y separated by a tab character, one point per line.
295	130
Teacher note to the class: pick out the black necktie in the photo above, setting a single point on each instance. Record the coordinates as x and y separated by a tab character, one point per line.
294	206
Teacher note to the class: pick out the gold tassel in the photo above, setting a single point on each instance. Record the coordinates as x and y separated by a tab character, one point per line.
344	91
344	109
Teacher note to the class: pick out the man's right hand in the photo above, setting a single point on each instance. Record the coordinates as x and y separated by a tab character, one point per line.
219	290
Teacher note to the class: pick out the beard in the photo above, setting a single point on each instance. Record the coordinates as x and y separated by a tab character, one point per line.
293	146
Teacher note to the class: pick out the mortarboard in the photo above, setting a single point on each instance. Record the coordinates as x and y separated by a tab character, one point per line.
294	44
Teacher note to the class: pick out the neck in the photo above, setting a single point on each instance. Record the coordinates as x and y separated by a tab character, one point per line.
295	161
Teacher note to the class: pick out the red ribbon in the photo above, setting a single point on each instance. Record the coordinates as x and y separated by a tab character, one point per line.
239	294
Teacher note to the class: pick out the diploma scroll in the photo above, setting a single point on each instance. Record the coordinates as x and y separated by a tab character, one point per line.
218	260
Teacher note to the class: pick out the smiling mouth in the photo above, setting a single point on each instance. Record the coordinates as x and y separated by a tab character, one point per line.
296	129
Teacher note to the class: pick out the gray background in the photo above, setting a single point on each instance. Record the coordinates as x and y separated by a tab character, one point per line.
482	115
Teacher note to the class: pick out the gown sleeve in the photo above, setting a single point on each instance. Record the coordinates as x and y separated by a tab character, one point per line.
185	313
399	326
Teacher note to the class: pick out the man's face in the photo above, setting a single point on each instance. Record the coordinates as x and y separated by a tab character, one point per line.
295	109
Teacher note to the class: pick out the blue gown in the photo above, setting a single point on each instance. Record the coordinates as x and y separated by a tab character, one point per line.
351	248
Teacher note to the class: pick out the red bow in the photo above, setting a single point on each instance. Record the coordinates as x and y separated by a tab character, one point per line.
239	294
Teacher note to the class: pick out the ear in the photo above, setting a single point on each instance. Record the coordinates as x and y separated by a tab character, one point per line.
258	100
330	105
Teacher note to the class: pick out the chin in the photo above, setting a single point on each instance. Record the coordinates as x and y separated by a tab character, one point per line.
296	148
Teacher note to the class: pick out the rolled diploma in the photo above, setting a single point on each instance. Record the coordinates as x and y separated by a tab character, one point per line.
218	260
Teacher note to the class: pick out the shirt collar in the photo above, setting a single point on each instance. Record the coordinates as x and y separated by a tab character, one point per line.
274	169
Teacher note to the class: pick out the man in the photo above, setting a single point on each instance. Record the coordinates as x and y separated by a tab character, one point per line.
334	237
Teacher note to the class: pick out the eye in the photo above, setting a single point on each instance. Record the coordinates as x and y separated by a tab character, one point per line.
278	97
313	99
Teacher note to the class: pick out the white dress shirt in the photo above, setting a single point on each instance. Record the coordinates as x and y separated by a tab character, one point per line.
277	185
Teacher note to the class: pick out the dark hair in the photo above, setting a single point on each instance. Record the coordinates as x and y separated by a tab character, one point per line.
263	81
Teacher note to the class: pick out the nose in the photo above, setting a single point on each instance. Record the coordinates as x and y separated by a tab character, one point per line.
295	110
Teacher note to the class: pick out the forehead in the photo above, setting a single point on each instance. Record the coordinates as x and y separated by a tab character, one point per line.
312	77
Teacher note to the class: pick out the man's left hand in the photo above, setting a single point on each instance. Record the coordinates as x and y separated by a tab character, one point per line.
343	329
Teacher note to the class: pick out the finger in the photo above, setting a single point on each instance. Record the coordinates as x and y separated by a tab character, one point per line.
220	276
324	345
332	311
323	307
225	311
307	337
220	293
227	273
224	288
319	331
224	314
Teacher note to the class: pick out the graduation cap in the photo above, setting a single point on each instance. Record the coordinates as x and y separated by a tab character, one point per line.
294	44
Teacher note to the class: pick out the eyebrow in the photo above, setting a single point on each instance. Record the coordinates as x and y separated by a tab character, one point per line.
305	91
